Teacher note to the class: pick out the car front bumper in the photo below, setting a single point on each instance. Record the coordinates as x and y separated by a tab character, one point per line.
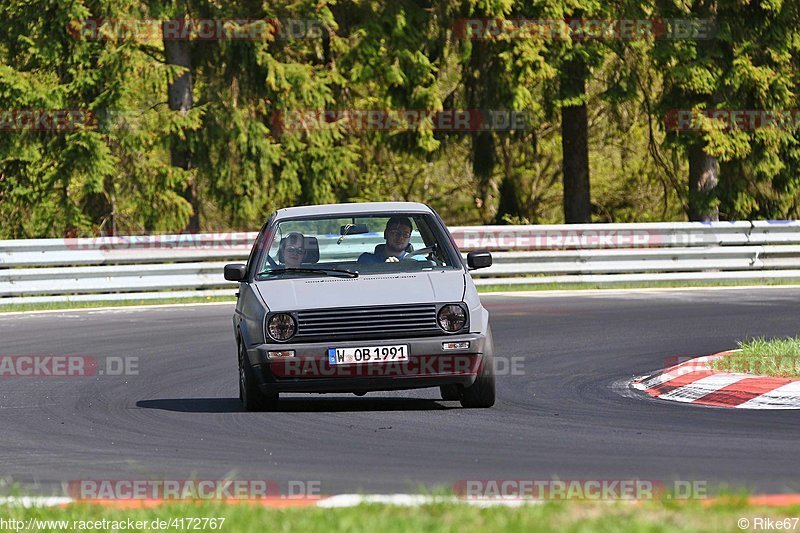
428	365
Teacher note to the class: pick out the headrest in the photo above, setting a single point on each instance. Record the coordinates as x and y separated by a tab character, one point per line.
312	250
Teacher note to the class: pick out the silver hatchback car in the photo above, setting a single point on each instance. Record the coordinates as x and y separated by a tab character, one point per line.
358	298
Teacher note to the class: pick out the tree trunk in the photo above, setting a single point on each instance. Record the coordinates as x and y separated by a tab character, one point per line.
575	145
483	161
703	180
511	202
178	52
478	87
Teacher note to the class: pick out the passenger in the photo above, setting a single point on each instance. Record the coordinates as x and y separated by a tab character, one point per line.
292	250
397	234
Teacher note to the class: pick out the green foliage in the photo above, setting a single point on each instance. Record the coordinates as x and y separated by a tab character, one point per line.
750	64
441	513
770	357
116	176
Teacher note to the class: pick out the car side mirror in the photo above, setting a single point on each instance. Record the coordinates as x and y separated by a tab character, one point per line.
235	272
479	259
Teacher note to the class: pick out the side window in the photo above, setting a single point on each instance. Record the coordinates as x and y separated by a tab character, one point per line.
255	252
428	233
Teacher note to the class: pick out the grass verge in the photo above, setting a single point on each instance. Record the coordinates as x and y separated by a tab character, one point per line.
9	308
664	516
123	303
774	357
633	285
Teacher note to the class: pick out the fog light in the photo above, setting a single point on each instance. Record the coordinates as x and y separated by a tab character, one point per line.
280	354
455	345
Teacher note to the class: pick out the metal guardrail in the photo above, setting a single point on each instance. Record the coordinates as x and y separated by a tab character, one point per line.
174	266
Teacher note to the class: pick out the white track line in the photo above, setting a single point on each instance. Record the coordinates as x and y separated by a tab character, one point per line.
337	501
415	500
34	501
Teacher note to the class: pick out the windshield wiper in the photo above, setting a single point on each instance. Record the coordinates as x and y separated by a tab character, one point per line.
327	271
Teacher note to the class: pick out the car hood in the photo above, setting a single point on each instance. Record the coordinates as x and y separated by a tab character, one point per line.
317	292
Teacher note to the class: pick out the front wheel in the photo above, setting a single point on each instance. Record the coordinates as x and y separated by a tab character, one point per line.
481	394
252	398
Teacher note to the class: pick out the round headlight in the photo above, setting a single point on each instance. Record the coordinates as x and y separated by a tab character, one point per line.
281	327
451	318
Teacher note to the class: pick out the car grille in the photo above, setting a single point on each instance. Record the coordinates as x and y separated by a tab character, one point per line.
367	322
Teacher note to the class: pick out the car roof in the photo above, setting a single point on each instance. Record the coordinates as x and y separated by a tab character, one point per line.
352	209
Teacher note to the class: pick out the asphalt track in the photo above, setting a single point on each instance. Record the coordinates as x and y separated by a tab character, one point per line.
561	416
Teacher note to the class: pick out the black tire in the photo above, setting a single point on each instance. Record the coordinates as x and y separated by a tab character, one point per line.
252	398
450	393
481	394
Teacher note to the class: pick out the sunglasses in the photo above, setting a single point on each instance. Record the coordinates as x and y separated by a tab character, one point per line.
295	250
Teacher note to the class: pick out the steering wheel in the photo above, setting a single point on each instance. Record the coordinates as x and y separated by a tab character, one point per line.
421	251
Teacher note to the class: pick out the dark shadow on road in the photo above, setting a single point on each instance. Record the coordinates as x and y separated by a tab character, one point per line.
298	405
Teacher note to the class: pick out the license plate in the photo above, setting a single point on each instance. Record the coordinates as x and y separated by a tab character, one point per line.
367	354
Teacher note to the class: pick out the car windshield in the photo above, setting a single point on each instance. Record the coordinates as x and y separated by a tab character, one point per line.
349	246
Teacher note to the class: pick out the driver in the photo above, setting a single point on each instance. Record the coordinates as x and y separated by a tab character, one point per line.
397	234
292	250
